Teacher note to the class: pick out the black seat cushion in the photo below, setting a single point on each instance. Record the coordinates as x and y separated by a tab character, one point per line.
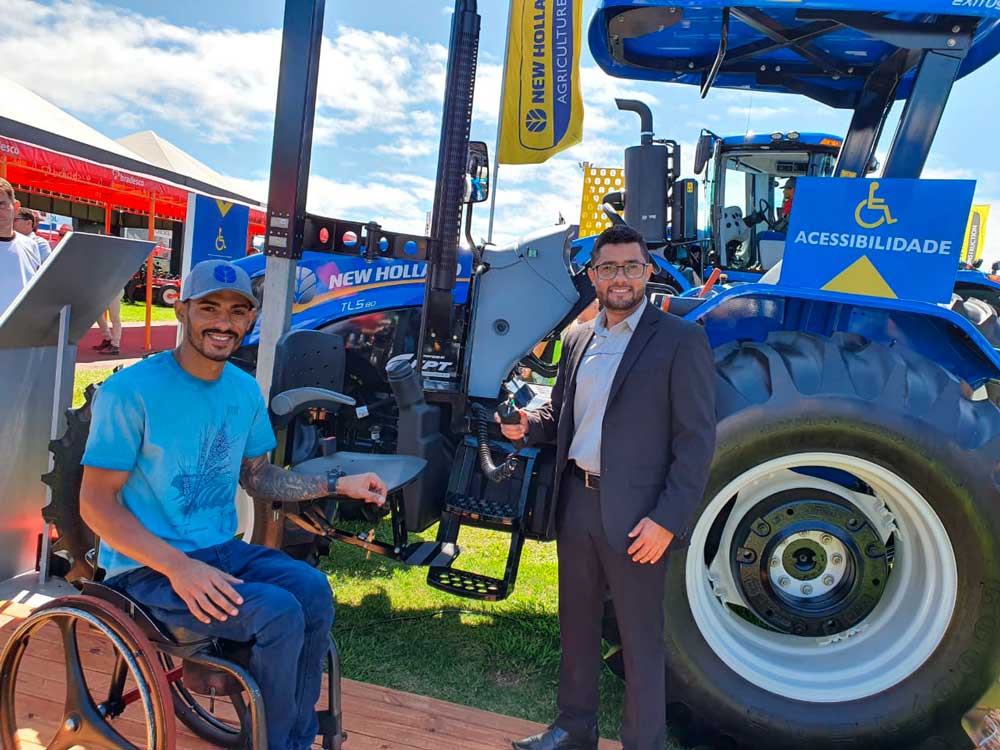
309	359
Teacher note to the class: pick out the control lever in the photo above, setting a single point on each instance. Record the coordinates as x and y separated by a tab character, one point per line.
509	414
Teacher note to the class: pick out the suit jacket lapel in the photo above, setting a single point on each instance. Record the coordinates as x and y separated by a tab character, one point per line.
640	337
576	356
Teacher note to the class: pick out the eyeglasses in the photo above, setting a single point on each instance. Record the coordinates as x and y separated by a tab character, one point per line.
608	271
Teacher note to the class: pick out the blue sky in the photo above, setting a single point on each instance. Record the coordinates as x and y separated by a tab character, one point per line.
203	75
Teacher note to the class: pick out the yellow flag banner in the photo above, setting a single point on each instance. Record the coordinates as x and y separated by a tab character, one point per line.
542	108
975	234
597	182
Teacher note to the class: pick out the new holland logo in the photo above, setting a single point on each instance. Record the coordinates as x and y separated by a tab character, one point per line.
535	121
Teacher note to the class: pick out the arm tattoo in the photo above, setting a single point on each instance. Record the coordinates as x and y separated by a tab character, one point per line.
265	481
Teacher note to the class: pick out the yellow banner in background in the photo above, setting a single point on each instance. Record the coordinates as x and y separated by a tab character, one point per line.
975	234
597	182
542	107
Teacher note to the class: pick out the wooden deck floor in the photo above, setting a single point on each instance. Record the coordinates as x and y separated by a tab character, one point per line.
376	718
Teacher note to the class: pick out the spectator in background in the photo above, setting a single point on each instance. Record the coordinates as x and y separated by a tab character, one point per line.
18	255
111	337
26	223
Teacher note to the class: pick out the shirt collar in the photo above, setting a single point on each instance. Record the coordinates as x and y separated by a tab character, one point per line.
601	321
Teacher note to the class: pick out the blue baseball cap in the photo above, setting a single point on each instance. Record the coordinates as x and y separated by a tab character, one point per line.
212	276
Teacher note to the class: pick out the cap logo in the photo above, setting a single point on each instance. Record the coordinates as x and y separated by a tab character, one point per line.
225	274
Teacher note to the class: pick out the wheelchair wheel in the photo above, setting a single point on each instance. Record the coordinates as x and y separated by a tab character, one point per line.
115	693
224	721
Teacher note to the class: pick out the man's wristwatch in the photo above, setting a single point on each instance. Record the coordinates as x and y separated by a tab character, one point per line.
332	477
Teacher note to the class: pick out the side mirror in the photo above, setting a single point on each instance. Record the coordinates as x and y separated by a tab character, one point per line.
703	152
477	173
873	165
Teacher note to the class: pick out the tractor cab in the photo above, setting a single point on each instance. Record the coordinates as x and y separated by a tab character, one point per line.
749	184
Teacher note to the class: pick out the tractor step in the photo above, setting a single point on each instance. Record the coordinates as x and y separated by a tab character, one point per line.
469	585
472	500
472	509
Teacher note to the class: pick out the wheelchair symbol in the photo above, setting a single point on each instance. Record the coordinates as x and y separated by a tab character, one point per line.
220	242
873	204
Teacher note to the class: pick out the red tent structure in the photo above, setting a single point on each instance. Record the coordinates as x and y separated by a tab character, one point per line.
47	152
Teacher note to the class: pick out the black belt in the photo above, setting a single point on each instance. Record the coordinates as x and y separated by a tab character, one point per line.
592	481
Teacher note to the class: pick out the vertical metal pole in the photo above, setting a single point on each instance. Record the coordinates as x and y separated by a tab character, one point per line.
496	149
150	273
919	122
107	218
295	111
55	429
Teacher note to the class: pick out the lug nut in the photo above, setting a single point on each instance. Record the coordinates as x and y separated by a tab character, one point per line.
827	580
774	562
783	582
826	539
807	589
837	559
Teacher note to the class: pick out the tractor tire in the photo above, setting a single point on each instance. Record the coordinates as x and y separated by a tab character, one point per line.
71	553
808	427
169	294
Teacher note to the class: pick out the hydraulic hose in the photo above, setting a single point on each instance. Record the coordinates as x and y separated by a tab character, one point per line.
494	473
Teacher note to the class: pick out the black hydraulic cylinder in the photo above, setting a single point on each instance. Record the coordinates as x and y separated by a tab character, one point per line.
449	190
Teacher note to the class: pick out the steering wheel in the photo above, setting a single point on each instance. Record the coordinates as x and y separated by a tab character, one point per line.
763	213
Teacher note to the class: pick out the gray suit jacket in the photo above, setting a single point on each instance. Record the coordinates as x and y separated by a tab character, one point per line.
658	435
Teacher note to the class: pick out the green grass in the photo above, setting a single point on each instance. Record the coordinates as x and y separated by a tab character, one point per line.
392	629
85	377
136	313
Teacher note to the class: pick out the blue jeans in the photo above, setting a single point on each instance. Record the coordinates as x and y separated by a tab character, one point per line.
287	613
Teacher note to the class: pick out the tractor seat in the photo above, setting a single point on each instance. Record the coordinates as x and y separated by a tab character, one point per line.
395	470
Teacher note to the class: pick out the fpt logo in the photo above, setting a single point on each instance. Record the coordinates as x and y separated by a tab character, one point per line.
535	121
872	207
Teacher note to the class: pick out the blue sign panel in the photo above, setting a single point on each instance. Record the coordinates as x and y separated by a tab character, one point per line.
219	231
892	238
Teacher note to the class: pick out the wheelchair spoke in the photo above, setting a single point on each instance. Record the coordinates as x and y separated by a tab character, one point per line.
116	701
83	724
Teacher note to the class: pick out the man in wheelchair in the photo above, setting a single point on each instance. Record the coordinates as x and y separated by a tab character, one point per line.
170	438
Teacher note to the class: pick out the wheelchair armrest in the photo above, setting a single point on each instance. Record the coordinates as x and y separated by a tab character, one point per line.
289	404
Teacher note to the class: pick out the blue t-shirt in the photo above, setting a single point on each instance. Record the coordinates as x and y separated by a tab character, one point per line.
182	440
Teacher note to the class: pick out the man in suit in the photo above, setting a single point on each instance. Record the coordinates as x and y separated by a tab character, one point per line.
633	417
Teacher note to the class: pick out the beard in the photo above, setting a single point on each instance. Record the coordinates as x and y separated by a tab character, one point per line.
208	350
626	301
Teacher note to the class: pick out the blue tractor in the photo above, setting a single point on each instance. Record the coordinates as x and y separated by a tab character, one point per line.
841	587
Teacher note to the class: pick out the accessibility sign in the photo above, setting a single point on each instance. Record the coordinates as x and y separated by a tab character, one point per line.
891	238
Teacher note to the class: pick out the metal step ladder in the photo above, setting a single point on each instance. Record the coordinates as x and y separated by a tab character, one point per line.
472	500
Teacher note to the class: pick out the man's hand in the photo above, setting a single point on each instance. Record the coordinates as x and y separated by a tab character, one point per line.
208	592
651	541
368	487
514	431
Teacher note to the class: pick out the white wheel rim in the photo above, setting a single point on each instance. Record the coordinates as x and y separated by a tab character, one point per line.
896	638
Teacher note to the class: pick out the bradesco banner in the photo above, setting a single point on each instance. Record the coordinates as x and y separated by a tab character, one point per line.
542	107
892	238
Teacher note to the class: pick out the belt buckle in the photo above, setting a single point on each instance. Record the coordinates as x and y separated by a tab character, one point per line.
586	480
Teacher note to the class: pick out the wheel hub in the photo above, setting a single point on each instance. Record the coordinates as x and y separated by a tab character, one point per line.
809	563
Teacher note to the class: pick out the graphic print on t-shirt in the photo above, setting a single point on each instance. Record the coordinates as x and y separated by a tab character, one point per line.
206	489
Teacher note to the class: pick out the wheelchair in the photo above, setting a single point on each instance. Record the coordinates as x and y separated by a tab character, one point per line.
157	675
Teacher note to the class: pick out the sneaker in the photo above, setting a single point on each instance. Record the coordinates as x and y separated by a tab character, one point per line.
102	346
110	350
